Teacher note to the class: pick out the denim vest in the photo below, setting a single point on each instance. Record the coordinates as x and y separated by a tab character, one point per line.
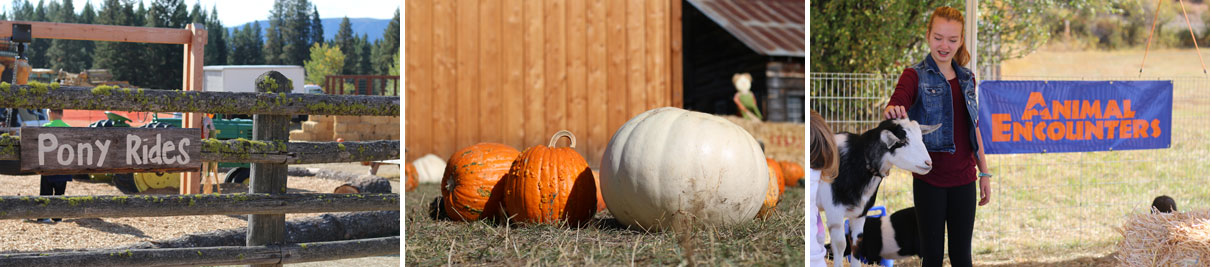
933	105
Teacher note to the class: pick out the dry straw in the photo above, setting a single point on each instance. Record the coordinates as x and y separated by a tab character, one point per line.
1165	239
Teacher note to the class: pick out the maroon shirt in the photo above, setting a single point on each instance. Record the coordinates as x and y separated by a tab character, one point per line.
949	169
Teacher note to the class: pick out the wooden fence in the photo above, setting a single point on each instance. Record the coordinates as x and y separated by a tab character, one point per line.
267	202
515	72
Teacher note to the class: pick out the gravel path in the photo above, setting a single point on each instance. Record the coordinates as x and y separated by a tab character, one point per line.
98	233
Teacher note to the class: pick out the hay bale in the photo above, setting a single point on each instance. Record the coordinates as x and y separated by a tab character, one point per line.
1165	239
347	119
300	135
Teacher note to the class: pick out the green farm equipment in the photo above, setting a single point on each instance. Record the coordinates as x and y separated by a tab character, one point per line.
138	182
225	128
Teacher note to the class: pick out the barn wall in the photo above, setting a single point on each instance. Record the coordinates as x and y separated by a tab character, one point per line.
516	72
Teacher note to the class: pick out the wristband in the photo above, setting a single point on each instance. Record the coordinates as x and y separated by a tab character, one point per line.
990	175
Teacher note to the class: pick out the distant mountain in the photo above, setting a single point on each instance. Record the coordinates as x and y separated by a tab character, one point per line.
373	28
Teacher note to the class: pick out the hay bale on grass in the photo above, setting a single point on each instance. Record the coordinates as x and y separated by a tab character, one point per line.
1165	239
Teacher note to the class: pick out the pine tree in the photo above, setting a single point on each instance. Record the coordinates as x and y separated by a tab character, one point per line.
162	59
273	46
246	46
273	36
88	16
364	65
216	40
317	27
258	41
23	10
387	46
293	29
196	15
344	40
37	49
122	59
66	55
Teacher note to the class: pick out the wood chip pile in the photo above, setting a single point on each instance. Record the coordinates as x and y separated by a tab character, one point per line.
1165	239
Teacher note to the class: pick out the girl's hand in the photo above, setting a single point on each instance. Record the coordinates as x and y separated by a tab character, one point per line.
985	191
895	112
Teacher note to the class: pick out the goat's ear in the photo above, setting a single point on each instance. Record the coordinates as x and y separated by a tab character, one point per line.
930	128
888	138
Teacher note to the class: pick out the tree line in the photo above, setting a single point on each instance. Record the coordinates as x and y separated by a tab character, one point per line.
294	27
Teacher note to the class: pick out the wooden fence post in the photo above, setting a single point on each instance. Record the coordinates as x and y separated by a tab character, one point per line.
269	229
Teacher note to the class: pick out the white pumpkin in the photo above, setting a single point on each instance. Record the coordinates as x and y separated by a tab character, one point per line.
670	162
429	169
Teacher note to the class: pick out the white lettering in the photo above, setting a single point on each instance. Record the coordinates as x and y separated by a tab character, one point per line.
155	154
132	150
168	147
43	147
181	146
83	147
104	147
70	155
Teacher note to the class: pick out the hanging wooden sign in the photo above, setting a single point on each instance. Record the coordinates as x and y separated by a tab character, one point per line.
70	150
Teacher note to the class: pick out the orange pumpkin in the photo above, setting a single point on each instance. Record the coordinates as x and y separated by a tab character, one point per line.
777	172
470	177
598	185
410	173
772	196
793	173
548	184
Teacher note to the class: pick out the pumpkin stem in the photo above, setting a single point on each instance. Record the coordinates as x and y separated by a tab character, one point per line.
572	140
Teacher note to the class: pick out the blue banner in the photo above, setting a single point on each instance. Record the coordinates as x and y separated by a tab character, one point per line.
1074	116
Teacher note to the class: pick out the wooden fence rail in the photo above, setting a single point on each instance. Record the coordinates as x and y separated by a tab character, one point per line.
269	152
270	254
25	207
240	150
154	100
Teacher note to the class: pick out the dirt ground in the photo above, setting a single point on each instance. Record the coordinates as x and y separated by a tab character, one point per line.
98	233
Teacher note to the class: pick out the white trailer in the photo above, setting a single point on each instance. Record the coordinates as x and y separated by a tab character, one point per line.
232	78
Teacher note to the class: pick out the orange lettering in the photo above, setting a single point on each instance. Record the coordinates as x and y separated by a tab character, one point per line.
1056	130
1139	127
1088	110
1035	98
1112	110
1060	109
1074	131
1000	127
1124	126
1039	131
1094	129
1021	131
1128	113
1110	125
1156	128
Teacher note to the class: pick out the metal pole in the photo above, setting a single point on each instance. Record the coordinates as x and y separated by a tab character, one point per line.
972	12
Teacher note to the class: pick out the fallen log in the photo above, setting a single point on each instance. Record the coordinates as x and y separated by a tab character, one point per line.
224	255
326	227
365	183
24	207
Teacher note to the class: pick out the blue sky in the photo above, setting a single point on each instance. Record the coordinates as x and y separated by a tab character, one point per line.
237	12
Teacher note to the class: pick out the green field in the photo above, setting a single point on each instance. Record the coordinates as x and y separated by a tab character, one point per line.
777	241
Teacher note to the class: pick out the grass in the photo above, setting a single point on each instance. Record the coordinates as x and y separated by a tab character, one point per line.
1063	209
777	241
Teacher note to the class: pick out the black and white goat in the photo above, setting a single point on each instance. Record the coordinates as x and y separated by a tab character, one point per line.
894	237
891	237
865	161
